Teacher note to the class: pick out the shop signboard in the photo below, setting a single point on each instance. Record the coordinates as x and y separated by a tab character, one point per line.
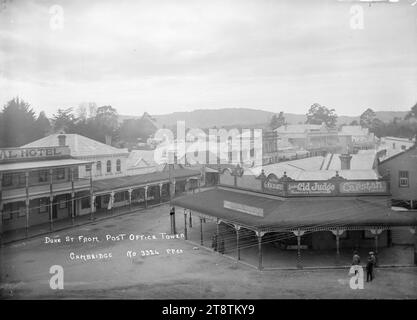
312	188
363	187
16	154
243	208
274	186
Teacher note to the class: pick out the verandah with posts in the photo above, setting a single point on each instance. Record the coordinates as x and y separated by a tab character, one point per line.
98	199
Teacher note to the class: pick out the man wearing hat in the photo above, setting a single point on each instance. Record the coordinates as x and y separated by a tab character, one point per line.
370	267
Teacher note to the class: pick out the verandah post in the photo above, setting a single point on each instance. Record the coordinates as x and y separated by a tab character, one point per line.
237	228
260	234
190	220
130	198
72	196
201	231
299	233
185	224
415	244
51	200
27	202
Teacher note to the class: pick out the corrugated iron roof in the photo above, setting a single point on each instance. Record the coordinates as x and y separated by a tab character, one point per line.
292	213
80	146
141	179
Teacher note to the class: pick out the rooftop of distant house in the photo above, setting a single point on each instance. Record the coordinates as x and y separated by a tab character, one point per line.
362	167
354	131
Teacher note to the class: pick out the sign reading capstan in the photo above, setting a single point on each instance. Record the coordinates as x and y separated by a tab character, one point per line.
10	154
364	187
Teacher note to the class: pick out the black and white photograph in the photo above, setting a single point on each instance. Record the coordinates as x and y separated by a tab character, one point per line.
210	150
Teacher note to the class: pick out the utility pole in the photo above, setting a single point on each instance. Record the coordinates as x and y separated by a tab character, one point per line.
172	208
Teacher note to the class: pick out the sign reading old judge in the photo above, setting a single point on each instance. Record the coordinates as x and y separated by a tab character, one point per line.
33	153
311	188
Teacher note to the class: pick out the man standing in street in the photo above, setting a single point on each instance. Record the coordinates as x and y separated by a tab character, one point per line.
369	268
356	260
172	217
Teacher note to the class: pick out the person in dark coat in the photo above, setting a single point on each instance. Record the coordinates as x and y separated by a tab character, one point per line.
373	257
369	269
221	246
214	242
356	260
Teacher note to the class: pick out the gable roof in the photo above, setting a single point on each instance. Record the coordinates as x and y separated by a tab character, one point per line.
298	128
414	147
141	158
319	168
354	131
79	145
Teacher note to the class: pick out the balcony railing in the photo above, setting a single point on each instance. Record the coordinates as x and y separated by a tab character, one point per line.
18	191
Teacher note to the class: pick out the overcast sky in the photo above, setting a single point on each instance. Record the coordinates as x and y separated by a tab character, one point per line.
164	56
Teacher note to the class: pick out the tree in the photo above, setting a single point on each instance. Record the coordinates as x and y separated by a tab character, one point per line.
354	123
412	114
277	121
106	123
273	123
42	124
17	124
82	112
64	120
367	118
318	114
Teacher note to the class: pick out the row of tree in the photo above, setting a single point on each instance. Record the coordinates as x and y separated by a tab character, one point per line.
19	124
318	114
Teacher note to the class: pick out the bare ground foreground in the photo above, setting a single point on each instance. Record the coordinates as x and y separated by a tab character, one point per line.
191	274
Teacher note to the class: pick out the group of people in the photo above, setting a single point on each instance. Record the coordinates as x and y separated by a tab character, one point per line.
370	264
217	244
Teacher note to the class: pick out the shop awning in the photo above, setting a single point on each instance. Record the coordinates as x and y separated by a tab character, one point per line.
142	179
272	213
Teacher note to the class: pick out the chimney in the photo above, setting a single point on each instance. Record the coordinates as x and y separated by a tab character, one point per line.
62	140
345	161
108	139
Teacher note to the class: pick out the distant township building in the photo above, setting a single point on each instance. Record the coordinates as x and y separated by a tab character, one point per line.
357	138
390	146
316	139
276	148
401	170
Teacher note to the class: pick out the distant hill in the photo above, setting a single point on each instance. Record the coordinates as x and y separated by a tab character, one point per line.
207	118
